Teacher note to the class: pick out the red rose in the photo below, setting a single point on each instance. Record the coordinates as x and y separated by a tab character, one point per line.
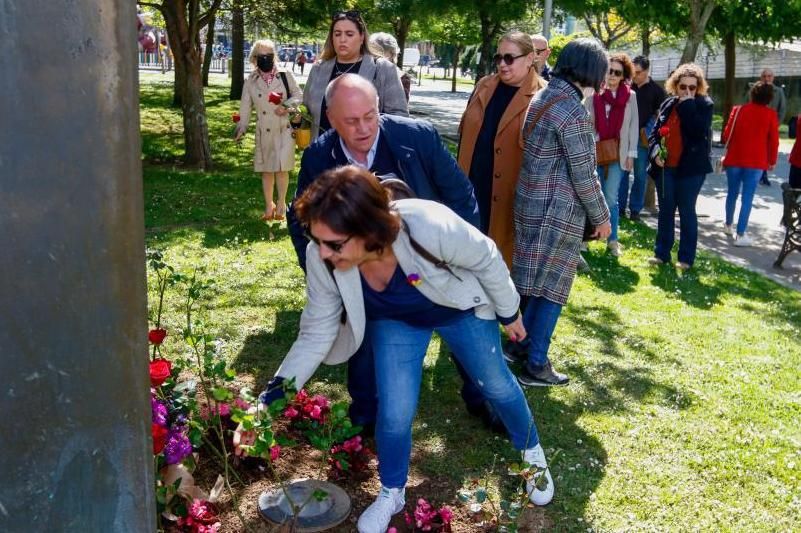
663	131
275	98
235	117
156	336
159	371
159	437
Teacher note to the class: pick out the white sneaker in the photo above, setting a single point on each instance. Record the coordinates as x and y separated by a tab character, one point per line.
540	488
375	519
744	240
614	248
728	230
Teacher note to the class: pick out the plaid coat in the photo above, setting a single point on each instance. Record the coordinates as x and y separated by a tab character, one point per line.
557	191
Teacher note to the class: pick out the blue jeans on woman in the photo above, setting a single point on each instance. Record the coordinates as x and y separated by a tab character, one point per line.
611	176
748	178
677	193
636	200
399	352
539	317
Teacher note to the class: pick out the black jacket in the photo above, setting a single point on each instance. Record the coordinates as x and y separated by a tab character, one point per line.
695	116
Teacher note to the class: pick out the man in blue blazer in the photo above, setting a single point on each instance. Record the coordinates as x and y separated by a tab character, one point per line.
387	145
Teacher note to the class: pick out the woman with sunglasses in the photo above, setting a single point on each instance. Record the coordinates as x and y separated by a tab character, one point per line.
346	51
491	136
613	113
395	273
683	130
275	148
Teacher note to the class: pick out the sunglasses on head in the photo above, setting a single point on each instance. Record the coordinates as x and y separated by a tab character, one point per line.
615	72
352	15
334	246
683	87
506	58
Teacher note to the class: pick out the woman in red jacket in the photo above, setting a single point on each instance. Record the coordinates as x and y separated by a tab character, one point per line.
752	135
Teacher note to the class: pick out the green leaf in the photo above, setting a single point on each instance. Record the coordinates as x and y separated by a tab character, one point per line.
221	394
319	495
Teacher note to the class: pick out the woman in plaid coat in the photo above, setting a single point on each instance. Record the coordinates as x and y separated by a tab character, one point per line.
557	191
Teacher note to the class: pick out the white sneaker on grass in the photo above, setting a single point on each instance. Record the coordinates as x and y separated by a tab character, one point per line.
744	240
540	488
376	518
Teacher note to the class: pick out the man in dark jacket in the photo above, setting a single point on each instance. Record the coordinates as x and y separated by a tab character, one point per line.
386	145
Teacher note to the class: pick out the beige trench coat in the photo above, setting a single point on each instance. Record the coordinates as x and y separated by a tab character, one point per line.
275	147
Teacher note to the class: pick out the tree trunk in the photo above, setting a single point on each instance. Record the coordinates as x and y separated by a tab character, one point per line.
700	11
183	29
489	31
238	50
645	37
208	53
456	50
401	27
730	43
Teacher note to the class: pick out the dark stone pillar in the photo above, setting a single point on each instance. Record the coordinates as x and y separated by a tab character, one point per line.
75	448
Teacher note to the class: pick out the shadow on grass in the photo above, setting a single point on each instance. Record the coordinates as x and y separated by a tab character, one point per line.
609	275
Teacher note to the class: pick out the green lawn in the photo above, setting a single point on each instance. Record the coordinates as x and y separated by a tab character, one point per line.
684	408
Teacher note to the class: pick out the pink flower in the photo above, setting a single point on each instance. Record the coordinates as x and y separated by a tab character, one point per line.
239	403
291	412
275	451
446	514
316	412
353	445
224	409
392	530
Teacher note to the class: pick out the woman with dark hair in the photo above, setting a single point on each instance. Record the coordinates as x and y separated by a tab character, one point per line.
613	112
346	51
752	146
557	192
491	136
683	129
394	273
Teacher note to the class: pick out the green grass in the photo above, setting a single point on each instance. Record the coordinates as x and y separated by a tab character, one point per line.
684	407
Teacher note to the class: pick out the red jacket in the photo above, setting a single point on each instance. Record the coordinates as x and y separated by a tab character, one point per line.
754	138
795	154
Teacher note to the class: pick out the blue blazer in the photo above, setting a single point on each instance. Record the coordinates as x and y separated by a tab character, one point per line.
423	160
695	116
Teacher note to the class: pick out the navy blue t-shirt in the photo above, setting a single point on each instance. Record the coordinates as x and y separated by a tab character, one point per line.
400	300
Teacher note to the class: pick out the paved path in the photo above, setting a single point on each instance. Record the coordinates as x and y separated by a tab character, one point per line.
433	101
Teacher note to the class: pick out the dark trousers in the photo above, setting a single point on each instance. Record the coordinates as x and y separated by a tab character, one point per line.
682	194
364	394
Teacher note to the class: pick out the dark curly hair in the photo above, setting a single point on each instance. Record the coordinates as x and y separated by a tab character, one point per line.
761	93
350	200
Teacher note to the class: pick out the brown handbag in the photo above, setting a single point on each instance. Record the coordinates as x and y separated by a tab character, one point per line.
606	151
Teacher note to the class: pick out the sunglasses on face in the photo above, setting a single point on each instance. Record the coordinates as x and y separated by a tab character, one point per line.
334	246
352	15
690	88
615	72
506	58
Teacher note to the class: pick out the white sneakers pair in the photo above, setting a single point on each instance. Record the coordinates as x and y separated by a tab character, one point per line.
376	518
739	240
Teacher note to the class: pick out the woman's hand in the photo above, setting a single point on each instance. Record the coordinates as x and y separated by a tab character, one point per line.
280	110
602	232
243	438
659	162
516	331
628	164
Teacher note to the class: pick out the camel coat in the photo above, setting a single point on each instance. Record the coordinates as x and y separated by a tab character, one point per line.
508	152
275	147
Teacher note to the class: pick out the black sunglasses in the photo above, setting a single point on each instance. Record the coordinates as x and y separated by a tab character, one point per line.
334	246
265	56
506	58
687	87
352	14
615	72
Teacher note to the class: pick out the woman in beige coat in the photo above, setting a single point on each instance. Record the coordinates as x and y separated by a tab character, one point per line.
275	148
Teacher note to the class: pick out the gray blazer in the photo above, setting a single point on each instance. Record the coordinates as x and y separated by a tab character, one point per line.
383	74
483	284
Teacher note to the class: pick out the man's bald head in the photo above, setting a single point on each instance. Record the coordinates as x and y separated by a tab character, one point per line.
350	86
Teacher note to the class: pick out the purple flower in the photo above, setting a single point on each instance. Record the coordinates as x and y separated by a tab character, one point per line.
159	411
178	446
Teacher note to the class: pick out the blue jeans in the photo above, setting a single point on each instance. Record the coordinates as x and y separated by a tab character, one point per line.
362	386
749	179
677	193
610	177
399	352
636	200
539	318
